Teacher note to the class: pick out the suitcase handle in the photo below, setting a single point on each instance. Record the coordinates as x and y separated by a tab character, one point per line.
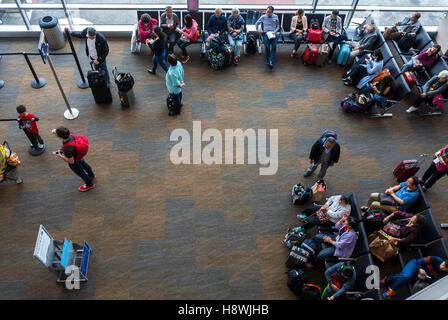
115	72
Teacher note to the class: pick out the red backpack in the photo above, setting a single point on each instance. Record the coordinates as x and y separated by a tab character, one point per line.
314	36
81	145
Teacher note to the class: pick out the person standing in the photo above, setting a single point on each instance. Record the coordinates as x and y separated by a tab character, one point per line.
175	82
324	153
158	47
271	25
235	24
74	148
27	122
96	48
437	169
169	22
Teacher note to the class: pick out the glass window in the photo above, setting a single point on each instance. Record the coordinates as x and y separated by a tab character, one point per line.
389	18
9	17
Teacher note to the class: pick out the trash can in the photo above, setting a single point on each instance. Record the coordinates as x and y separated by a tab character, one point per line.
125	83
53	32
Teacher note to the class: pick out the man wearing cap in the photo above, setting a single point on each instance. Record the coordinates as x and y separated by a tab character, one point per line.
96	47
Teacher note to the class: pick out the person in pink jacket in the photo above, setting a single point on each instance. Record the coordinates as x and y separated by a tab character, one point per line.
146	27
188	35
437	169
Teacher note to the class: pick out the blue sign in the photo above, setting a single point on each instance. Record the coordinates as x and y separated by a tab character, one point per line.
85	259
65	251
43	47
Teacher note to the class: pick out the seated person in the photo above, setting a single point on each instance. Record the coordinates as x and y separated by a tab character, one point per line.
428	269
271	25
435	85
341	278
403	228
235	25
361	74
297	31
217	24
328	214
368	39
188	35
404	195
437	169
380	90
340	245
410	24
424	59
332	27
146	28
169	22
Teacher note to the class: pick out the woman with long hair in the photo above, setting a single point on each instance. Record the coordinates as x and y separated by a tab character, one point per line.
158	47
299	25
424	59
381	90
188	36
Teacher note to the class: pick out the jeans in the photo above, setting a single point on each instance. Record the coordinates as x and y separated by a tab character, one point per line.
270	46
160	59
182	45
374	203
323	169
237	47
376	99
335	41
298	39
324	253
433	175
408	65
408	274
172	39
35	138
103	66
83	170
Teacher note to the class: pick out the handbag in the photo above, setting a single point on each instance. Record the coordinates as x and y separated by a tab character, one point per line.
184	38
239	36
392	229
387	199
318	191
437	102
323	217
419	285
381	248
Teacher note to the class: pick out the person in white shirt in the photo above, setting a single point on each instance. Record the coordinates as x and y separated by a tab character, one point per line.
326	215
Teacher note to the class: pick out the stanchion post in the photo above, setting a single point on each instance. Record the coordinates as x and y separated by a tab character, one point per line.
83	83
37	82
70	113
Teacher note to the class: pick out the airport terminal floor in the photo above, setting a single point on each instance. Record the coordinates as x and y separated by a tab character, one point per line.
165	231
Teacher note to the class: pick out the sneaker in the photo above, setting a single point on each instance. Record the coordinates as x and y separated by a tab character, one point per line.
172	113
309	171
424	188
411	109
40	146
185	60
301	216
151	72
298	229
388	294
270	65
84	187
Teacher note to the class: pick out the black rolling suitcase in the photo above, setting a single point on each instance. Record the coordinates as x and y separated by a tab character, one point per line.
98	85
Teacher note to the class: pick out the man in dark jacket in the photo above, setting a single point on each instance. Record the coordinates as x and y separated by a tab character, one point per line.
325	153
97	48
217	23
169	23
367	41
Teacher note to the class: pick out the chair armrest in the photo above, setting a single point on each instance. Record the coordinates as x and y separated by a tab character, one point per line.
417	245
346	259
443	99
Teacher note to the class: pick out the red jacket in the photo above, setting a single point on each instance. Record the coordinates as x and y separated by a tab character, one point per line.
145	32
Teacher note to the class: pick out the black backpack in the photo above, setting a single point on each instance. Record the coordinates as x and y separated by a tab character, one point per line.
294	238
296	280
299	256
407	41
216	60
373	220
310	292
314	24
251	46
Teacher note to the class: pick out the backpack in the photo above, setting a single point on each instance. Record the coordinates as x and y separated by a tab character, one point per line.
216	44
294	238
296	280
300	194
299	256
410	78
216	60
314	36
329	133
310	292
81	145
373	220
251	45
381	75
349	104
407	41
314	24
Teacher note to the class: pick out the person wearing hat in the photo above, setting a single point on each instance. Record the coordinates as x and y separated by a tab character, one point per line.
97	48
435	85
341	278
333	32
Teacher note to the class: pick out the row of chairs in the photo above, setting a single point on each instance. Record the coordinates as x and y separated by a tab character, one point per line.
429	242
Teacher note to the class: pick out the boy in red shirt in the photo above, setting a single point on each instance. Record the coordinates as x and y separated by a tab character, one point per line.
27	122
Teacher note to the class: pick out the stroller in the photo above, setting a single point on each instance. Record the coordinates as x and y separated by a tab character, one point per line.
9	163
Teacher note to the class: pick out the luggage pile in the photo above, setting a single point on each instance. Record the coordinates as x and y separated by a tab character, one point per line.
220	54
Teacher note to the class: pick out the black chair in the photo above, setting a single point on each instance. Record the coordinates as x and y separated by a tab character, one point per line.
408	55
207	16
355	33
285	27
421	40
438	66
401	90
437	248
421	204
355	208
387	54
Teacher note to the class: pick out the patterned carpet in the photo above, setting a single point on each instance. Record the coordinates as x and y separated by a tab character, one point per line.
165	231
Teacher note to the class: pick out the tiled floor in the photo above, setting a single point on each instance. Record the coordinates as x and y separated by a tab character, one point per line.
165	231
